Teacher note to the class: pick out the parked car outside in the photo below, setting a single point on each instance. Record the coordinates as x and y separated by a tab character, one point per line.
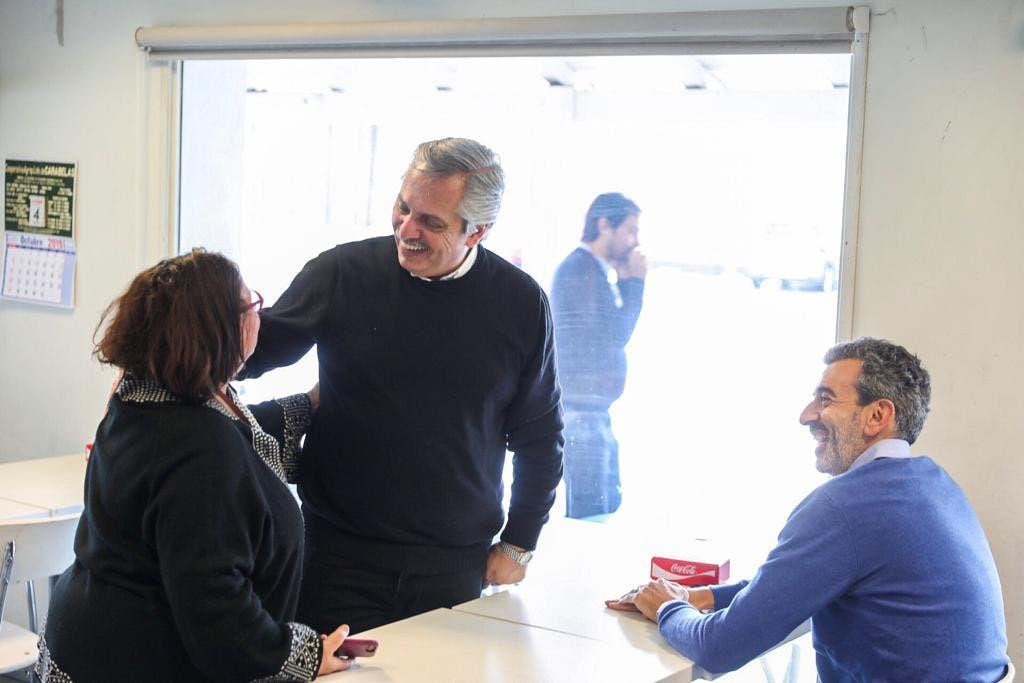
789	257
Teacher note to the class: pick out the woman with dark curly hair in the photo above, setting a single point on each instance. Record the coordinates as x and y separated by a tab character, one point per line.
189	551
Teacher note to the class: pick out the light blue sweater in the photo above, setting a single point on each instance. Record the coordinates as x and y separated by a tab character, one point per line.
891	564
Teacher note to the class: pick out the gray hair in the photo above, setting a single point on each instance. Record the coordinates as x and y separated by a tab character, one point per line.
485	181
889	371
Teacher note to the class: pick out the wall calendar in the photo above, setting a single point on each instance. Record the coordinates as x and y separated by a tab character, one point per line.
39	258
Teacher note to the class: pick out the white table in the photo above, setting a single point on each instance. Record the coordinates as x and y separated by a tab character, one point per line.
578	566
446	646
570	609
40	488
53	484
12	510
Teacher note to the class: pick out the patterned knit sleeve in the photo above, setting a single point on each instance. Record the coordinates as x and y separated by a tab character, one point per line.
297	415
303	660
286	420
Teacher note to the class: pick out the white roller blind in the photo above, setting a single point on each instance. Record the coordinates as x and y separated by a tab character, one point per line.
828	29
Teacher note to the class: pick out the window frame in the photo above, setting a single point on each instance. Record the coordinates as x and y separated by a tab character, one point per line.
164	49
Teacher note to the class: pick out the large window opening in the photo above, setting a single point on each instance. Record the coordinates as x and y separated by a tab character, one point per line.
737	163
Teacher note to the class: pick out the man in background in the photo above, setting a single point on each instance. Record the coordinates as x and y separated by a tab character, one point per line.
596	297
887	558
435	356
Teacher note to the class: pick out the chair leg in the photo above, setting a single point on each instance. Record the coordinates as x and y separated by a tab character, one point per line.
30	591
793	668
5	575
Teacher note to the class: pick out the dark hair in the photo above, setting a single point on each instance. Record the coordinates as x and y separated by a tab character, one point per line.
178	324
889	371
611	205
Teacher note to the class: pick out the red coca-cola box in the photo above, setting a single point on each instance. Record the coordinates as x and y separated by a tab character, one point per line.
689	572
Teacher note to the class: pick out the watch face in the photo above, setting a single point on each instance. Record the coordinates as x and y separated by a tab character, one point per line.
520	556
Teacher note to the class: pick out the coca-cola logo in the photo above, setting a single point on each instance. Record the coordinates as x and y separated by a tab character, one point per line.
687	569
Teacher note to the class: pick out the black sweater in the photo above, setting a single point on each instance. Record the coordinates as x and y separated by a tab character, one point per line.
423	386
189	551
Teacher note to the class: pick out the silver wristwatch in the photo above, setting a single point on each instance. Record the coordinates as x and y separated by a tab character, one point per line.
523	557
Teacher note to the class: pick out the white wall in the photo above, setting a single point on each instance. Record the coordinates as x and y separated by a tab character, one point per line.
939	266
941	240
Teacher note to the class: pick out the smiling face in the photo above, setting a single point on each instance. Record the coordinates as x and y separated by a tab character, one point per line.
836	419
431	238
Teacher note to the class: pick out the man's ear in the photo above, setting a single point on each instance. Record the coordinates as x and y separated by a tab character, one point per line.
604	225
481	230
881	418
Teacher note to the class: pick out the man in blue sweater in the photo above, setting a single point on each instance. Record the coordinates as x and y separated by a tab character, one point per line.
887	559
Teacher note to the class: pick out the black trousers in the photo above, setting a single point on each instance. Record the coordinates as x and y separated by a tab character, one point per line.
341	589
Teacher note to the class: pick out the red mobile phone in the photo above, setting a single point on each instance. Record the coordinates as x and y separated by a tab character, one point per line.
357	647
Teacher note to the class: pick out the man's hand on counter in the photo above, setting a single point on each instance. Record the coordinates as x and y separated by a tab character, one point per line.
647	598
502	569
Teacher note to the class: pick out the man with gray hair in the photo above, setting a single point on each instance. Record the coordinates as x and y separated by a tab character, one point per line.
436	356
887	559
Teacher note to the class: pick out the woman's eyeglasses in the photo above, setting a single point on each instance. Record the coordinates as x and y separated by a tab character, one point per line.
257	302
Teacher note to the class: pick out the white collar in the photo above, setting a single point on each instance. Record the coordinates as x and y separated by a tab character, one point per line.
458	272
